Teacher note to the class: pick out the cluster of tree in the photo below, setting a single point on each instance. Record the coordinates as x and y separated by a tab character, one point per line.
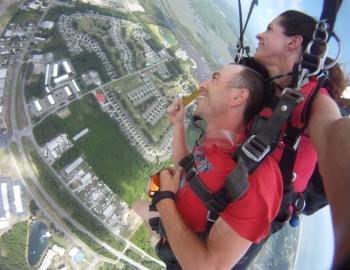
154	44
175	69
87	61
48	129
35	88
13	247
33	208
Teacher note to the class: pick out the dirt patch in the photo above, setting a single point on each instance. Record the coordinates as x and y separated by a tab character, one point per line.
6	168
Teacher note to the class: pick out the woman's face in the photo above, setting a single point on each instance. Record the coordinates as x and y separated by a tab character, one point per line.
272	43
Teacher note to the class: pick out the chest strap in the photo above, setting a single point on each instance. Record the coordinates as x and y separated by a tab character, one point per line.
214	202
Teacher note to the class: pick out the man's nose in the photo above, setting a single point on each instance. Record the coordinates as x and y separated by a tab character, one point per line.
204	84
258	36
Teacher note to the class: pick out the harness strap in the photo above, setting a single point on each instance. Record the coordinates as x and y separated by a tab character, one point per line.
214	202
329	12
286	164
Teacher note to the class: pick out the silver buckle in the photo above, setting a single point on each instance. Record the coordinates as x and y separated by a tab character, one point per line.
251	155
208	217
294	92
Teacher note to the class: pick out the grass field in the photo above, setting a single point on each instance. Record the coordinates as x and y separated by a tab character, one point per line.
6	16
141	238
105	149
26	16
127	84
13	247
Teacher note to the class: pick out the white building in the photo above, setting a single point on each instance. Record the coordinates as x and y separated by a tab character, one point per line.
74	165
47	74
5	213
61	79
80	134
50	255
47	25
68	91
75	86
55	70
67	67
37	105
87	177
51	100
18	199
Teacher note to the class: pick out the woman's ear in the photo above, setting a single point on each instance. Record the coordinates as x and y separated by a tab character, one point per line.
240	97
295	42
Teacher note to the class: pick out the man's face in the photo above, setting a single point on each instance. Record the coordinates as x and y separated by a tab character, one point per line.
215	95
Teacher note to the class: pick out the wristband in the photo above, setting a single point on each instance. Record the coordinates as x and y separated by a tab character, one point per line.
160	195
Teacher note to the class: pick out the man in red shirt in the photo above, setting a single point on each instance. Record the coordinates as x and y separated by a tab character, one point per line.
227	103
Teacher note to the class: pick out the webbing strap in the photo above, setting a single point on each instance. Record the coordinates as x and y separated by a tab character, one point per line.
214	202
329	12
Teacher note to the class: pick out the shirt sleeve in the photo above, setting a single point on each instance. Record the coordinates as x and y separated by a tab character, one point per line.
252	215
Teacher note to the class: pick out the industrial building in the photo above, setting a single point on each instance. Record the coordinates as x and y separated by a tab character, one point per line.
12	203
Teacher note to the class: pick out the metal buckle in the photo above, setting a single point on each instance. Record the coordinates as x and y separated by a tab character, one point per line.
208	217
299	203
252	156
294	93
296	144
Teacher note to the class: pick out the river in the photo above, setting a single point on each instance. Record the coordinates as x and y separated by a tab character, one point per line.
38	241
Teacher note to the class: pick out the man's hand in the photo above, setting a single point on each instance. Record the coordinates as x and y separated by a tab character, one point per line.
169	180
176	112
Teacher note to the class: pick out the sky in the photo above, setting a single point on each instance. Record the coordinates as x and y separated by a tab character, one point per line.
316	243
269	9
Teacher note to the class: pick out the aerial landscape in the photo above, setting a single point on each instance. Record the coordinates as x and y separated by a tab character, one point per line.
84	87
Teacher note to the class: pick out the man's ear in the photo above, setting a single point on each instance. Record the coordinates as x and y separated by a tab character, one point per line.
295	42
240	97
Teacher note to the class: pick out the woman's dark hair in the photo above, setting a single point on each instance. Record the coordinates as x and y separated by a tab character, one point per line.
298	23
336	81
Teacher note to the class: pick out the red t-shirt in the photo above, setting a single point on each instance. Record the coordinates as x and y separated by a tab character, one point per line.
252	214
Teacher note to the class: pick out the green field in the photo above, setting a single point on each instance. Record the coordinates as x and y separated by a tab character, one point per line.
13	248
127	84
105	149
7	16
26	16
141	238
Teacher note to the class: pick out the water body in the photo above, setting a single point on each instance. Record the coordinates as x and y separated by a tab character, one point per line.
38	241
202	71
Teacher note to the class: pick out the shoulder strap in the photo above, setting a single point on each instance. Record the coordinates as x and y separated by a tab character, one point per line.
214	202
